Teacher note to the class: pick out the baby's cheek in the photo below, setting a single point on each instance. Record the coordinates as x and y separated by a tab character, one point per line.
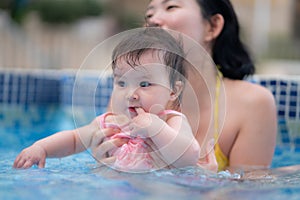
156	109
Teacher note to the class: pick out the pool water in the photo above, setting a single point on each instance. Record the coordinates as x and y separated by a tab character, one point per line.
79	177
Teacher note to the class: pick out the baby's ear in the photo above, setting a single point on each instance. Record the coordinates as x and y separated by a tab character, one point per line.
177	90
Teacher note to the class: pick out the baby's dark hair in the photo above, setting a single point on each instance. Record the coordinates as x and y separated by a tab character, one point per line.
157	40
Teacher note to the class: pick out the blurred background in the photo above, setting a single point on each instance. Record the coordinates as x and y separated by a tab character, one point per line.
59	34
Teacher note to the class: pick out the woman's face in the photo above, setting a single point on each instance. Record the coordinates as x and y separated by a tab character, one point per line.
179	15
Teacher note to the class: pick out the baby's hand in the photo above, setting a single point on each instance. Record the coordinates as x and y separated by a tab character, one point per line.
33	155
145	125
116	121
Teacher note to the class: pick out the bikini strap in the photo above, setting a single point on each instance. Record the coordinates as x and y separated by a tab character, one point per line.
216	103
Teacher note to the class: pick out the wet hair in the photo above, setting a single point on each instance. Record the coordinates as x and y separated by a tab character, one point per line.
156	40
228	51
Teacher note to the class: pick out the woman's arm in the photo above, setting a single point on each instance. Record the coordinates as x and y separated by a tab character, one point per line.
255	143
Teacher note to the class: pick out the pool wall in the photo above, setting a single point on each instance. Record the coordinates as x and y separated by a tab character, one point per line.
44	87
286	91
52	87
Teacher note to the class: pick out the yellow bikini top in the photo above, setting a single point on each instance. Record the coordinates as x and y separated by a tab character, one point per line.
222	160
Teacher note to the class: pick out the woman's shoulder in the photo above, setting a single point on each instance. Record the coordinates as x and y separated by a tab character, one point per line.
250	105
247	93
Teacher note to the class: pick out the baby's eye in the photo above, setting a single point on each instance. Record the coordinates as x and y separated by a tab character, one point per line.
145	84
121	83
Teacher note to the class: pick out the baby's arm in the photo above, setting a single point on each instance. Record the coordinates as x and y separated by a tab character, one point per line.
173	139
177	143
58	145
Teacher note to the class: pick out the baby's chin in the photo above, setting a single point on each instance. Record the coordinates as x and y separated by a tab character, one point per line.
156	109
132	115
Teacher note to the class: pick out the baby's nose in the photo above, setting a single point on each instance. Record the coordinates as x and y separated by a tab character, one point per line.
132	95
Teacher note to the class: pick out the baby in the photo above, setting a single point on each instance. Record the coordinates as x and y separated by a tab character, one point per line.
149	78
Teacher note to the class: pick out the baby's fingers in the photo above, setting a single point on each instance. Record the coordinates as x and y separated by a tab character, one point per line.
20	160
22	163
41	163
28	164
18	163
140	111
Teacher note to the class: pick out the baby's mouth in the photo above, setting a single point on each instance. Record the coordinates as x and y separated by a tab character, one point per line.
132	109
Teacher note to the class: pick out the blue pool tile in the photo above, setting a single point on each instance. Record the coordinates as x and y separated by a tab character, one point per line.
285	140
292	114
1	79
66	89
263	82
293	103
283	83
283	92
297	142
43	89
282	102
273	82
283	131
294	93
1	95
281	113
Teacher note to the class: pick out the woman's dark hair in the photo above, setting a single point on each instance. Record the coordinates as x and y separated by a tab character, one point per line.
228	51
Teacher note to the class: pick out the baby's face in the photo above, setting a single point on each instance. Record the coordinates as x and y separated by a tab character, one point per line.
144	86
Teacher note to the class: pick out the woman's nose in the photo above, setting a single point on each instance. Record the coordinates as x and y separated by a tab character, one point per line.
155	20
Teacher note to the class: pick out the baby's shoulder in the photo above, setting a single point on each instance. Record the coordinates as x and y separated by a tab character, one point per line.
172	114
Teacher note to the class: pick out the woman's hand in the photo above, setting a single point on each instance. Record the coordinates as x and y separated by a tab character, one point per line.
33	155
102	144
209	162
101	151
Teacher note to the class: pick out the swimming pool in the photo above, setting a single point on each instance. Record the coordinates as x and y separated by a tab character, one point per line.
77	177
25	119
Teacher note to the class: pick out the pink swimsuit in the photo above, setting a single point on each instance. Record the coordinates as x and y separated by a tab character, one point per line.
134	155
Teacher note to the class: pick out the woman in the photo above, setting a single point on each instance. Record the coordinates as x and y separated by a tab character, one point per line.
248	137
